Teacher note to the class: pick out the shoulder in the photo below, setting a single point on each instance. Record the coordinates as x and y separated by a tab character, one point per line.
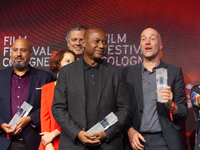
71	66
6	70
40	76
131	68
49	85
113	69
175	68
172	68
5	73
174	72
39	72
105	64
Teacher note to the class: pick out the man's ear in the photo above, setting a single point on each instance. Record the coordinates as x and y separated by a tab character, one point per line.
83	42
161	46
31	52
68	43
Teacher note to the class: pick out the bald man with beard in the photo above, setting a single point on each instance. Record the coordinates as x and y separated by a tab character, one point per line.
20	83
87	91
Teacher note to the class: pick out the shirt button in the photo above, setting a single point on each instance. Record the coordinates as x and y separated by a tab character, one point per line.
92	75
17	106
149	83
17	96
18	87
20	78
149	104
92	82
147	124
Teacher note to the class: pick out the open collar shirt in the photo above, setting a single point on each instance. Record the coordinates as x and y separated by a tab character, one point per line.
19	90
150	121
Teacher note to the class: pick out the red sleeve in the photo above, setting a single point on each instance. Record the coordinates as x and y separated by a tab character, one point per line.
44	114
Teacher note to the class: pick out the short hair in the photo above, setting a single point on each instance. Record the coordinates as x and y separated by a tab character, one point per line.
75	26
55	62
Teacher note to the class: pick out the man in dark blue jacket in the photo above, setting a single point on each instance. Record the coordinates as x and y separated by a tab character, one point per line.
21	83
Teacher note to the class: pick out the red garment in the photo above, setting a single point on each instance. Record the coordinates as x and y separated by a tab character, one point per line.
48	122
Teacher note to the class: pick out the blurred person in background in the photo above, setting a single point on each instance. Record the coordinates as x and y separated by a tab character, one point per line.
195	99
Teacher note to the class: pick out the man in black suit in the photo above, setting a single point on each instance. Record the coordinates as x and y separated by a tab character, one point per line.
20	83
152	127
86	91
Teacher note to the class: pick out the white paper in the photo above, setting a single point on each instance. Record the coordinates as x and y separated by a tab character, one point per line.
108	121
161	81
23	111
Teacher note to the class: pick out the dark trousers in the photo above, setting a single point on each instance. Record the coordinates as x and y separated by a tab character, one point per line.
154	141
93	148
17	144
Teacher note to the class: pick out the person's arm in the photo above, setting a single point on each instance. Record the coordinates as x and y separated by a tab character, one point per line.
134	139
62	116
49	147
90	139
23	122
48	137
45	118
60	108
35	115
123	112
9	129
176	96
17	128
167	94
99	136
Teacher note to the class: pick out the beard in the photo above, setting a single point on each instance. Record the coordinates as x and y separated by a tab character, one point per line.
19	65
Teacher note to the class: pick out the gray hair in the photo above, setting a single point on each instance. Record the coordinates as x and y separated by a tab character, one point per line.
75	26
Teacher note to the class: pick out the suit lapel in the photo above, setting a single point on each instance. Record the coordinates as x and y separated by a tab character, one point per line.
162	65
104	72
32	81
8	78
137	77
80	81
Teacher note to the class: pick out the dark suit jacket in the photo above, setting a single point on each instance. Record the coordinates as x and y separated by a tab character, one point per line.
31	134
69	105
171	129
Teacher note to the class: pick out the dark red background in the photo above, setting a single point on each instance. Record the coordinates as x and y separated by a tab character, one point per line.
45	23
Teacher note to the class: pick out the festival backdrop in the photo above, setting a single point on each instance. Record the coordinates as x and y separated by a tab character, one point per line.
45	24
